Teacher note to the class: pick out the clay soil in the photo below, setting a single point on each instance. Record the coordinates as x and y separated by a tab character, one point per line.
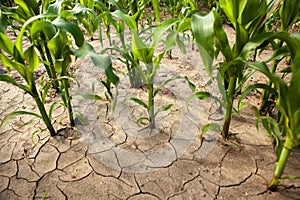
113	158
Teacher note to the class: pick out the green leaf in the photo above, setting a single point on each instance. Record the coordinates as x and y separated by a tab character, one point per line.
203	31
102	62
10	80
56	7
89	96
184	24
141	120
140	102
231	9
254	87
17	113
210	126
207	127
289	13
221	39
80	117
128	20
191	85
45	6
3	22
141	50
161	29
163	108
21	68
19	39
6	44
171	41
32	59
28	6
52	108
44	26
199	95
69	27
180	44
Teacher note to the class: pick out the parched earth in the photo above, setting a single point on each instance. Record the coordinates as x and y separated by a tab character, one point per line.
113	158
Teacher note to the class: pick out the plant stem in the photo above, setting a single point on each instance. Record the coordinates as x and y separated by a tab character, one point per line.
52	68
68	101
229	105
266	94
44	59
151	105
43	112
286	150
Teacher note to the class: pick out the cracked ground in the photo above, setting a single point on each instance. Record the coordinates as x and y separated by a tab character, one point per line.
125	161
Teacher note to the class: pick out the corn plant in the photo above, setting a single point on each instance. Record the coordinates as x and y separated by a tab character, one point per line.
180	8
246	17
25	63
287	130
288	14
50	33
140	53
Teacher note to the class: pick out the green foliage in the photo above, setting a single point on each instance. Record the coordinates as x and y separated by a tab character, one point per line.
48	29
25	63
212	40
288	124
287	13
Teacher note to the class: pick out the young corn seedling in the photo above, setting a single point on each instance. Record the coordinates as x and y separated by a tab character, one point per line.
147	63
212	40
124	49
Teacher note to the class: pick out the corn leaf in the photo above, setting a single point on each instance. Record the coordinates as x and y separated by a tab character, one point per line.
10	80
80	117
44	26
210	126
25	26
72	28
17	113
28	7
102	62
171	41
6	44
202	27
3	22
161	29
128	20
56	7
289	13
89	96
254	87
163	108
141	50
141	120
140	102
221	38
14	65
32	59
